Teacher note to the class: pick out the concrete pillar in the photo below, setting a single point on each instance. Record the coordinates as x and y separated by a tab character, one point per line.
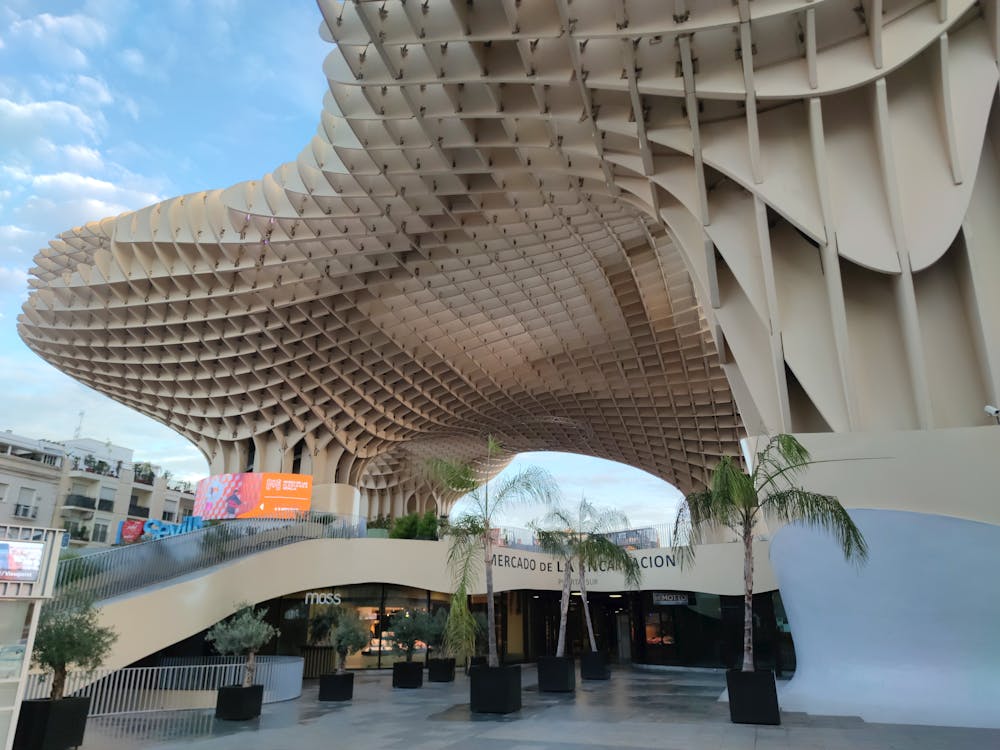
337	498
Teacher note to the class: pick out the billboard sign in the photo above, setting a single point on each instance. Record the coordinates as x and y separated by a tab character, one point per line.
129	531
20	561
253	496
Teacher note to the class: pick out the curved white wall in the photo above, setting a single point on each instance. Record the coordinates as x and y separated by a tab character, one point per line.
913	637
153	618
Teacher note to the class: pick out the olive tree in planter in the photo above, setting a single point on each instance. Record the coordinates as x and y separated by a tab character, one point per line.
348	636
245	633
440	668
738	501
408	628
493	689
581	540
320	656
69	636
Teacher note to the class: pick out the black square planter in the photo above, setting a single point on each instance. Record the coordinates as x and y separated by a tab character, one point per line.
238	703
753	698
51	725
495	690
440	670
336	687
556	674
407	674
592	666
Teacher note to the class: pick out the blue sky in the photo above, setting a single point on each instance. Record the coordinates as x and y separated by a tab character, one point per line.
110	105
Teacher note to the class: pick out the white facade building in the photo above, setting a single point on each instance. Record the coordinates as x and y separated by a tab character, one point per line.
85	486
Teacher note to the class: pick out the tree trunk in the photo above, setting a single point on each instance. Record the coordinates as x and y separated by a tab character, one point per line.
564	609
341	662
586	606
491	610
747	597
58	682
251	671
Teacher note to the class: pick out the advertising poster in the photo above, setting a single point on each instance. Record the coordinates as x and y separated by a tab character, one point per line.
20	561
129	531
253	496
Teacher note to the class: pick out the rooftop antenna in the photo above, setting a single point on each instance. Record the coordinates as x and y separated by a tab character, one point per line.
79	426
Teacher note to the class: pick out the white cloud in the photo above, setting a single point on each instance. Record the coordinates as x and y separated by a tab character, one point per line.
81	30
22	124
13	280
70	186
42	402
134	61
93	90
82	157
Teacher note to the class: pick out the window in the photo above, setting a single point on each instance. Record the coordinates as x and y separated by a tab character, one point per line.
100	533
168	515
3	492
107	493
26	496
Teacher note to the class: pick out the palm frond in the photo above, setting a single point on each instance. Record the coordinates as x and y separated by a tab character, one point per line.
599	552
531	485
456	476
465	536
796	505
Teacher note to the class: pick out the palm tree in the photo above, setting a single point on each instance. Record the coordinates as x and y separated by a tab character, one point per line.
738	501
581	540
472	530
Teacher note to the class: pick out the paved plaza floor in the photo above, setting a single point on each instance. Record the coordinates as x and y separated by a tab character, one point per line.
674	710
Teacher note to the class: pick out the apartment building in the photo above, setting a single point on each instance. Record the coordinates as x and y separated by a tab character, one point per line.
30	472
85	486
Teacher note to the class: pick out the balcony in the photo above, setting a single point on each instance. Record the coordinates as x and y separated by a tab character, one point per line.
138	511
25	511
106	505
79	533
80	502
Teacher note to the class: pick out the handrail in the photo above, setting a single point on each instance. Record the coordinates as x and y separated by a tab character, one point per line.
121	570
173	686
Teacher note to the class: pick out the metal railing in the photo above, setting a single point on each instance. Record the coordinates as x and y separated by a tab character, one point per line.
139	511
190	683
122	570
645	537
106	505
80	501
25	511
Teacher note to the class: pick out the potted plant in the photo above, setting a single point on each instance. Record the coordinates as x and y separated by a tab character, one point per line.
557	674
439	668
408	628
245	633
738	501
581	540
318	652
349	636
493	689
69	636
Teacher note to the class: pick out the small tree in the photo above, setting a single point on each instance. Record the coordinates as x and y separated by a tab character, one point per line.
738	501
582	541
407	629
473	530
405	527
350	636
70	637
244	633
322	623
435	625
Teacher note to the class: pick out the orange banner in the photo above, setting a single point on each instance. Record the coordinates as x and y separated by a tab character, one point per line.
253	496
282	495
